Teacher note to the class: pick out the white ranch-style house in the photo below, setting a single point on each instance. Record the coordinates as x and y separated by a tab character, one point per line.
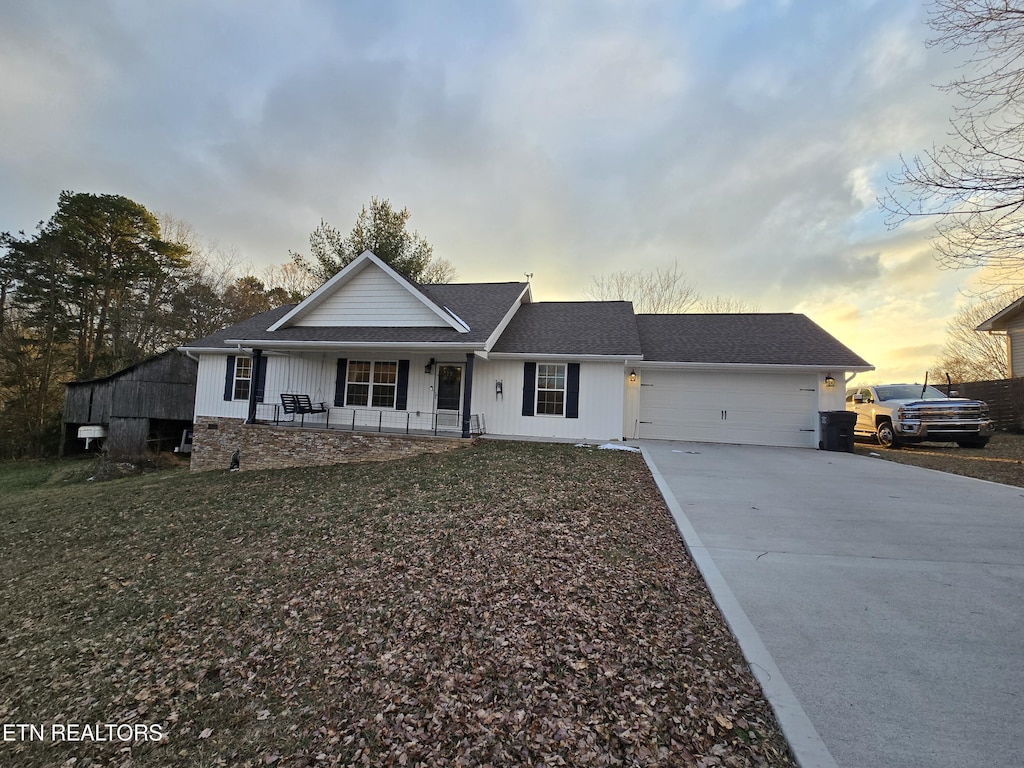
381	353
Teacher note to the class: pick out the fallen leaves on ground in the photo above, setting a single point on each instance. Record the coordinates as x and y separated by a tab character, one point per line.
509	604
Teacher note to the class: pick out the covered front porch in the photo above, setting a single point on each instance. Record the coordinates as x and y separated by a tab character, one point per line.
369	420
379	390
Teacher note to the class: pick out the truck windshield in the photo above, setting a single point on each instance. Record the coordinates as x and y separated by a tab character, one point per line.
908	392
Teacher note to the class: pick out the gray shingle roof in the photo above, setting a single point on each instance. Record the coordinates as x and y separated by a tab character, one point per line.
481	305
256	324
572	328
580	328
766	339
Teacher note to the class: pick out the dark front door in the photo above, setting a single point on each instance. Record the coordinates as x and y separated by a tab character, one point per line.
449	388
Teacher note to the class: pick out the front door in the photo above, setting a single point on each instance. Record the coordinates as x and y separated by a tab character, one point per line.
449	388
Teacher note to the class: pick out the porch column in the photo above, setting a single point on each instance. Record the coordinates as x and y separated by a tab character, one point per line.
255	385
467	397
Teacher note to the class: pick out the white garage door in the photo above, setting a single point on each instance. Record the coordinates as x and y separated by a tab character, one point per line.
746	408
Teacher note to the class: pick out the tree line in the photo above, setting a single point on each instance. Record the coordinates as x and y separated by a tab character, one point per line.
106	283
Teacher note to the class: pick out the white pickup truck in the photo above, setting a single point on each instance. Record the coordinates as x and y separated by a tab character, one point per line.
911	413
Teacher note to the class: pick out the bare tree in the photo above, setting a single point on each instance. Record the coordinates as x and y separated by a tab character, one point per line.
666	290
968	355
439	270
726	305
974	185
199	307
293	280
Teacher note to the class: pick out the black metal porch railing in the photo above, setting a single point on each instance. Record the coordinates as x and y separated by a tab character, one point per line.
378	420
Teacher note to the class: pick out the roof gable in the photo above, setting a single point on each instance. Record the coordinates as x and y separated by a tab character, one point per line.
483	307
1004	318
369	294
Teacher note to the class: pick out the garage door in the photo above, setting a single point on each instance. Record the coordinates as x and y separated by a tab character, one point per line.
753	409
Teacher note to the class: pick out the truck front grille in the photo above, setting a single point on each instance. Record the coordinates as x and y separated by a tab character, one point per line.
937	413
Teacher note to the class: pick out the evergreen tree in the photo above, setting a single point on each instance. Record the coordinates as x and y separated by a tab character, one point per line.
382	230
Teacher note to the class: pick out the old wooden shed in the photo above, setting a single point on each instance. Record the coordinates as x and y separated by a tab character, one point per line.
141	408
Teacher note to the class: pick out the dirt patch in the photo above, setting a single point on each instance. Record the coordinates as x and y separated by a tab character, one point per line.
1002	461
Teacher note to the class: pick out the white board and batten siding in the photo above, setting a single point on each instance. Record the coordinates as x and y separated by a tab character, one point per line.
600	402
371	298
210	390
1015	347
310	374
717	407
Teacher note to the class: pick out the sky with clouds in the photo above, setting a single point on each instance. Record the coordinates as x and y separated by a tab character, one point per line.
745	140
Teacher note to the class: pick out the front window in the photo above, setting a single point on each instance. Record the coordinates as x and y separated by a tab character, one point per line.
385	384
357	386
243	377
550	389
371	384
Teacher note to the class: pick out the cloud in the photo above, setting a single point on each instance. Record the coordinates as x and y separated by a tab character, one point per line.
860	183
892	52
747	141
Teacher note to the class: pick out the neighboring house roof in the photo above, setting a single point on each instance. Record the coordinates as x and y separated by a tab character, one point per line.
572	328
753	339
1002	319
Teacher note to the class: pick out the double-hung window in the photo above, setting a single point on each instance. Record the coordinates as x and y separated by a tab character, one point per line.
243	377
385	384
357	386
550	389
371	384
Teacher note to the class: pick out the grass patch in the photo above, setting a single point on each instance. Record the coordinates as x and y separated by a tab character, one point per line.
508	604
16	477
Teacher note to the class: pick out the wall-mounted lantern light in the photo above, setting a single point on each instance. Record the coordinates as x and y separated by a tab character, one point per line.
497	388
632	376
429	367
830	383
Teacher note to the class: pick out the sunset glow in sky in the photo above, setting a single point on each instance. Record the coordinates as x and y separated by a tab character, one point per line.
746	140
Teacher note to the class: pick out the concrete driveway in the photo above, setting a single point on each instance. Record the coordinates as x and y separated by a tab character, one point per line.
880	605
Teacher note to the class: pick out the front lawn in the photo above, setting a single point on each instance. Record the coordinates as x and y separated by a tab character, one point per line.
506	604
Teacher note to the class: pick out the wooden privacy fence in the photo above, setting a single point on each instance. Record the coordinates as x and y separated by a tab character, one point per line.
1005	399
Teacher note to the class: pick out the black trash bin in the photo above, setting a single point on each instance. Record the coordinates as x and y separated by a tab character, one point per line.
837	430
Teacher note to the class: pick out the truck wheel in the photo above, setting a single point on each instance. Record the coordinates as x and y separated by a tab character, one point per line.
978	442
886	435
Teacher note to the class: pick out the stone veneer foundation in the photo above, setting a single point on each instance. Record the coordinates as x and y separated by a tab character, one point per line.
265	446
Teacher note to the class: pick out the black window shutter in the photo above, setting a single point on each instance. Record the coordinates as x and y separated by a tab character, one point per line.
229	379
529	387
262	373
572	391
402	391
339	382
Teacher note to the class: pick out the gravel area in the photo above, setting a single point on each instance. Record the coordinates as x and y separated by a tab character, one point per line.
1001	461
